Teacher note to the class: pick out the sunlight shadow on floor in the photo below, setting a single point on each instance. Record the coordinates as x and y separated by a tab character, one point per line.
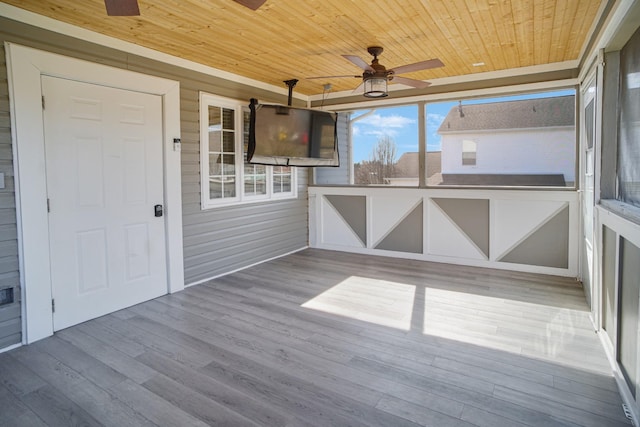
375	301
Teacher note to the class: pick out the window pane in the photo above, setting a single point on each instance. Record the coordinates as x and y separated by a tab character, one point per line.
255	180
229	160
228	122
523	140
222	186
215	164
228	143
282	179
286	184
385	146
215	141
215	186
230	187
277	184
214	118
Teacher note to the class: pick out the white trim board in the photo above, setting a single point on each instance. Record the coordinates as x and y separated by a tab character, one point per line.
199	282
25	67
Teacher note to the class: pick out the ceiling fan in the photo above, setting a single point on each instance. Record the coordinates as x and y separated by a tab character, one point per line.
377	74
130	7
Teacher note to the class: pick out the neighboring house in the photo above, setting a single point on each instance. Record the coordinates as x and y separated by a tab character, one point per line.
408	165
526	142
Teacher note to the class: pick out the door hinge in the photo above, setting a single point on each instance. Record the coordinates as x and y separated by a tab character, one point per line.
48	205
53	305
43	102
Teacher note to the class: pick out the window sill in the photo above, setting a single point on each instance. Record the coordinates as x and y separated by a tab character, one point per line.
247	201
624	210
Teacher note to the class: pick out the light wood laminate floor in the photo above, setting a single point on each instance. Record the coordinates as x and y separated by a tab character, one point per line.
322	338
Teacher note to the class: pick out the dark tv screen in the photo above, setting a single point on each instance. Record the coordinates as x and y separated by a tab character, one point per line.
288	136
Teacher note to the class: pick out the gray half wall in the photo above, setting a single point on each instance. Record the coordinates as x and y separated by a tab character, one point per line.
406	236
471	216
353	209
548	246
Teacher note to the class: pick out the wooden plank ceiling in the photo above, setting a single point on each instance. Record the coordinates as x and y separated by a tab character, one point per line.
287	39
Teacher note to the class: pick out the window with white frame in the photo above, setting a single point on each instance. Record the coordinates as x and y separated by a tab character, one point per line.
227	178
469	149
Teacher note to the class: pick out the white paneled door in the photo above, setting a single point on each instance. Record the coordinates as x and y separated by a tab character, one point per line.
104	171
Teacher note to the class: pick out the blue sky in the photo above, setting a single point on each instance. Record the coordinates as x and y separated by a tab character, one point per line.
401	124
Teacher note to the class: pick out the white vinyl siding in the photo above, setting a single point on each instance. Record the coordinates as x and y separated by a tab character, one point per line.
342	174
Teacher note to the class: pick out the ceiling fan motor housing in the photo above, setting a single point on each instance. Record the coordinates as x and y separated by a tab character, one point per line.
380	70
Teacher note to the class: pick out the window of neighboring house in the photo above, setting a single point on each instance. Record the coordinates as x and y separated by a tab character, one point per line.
528	140
469	148
227	177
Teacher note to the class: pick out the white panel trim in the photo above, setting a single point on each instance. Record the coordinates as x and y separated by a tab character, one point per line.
245	267
384	221
447	239
11	347
25	66
554	197
335	230
523	219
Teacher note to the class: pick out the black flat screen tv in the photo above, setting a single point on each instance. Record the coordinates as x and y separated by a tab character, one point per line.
290	136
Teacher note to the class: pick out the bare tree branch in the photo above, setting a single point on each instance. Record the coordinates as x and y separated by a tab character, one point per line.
381	164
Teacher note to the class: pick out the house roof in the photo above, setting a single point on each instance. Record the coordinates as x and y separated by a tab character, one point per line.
522	114
489	179
407	165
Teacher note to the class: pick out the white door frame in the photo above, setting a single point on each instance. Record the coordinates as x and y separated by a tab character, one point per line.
25	66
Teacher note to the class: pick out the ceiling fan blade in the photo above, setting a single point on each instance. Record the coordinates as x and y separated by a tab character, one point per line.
332	77
360	88
410	82
251	4
122	7
359	62
424	65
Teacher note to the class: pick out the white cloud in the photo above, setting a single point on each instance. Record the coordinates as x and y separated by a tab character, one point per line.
379	132
378	125
434	119
385	122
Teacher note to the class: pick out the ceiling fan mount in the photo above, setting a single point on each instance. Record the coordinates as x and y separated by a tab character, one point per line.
375	51
377	70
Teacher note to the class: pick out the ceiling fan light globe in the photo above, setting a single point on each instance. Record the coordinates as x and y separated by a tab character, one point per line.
375	87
